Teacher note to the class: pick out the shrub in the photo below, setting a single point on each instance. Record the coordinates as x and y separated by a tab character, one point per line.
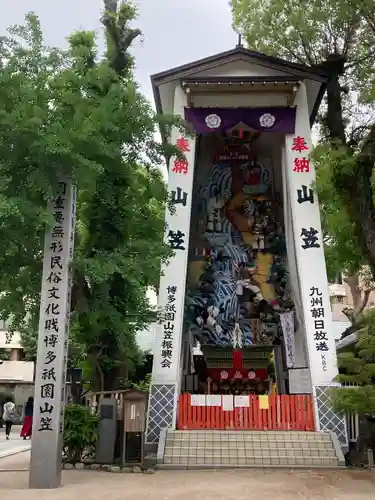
81	431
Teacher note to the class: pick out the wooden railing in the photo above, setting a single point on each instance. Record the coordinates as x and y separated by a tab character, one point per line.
278	412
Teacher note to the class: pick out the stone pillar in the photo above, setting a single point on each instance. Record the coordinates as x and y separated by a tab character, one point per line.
166	372
299	172
50	373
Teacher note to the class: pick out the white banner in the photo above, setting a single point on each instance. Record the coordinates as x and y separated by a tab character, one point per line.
167	347
299	174
287	325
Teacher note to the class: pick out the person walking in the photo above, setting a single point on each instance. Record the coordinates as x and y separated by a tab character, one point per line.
28	419
8	416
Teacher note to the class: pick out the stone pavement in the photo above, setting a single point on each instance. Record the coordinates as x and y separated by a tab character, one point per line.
15	443
249	484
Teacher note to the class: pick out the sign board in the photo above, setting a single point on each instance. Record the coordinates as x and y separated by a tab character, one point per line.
198	400
241	401
300	381
287	326
46	449
213	400
227	402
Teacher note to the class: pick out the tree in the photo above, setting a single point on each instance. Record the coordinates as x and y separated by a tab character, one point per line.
74	112
342	252
357	373
332	34
340	37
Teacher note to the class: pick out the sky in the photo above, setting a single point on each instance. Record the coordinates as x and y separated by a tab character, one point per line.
175	32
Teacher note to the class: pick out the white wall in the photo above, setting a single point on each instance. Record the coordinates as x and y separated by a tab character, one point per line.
250	99
146	338
15	343
339	328
22	371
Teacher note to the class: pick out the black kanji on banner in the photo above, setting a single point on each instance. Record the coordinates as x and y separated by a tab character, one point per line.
310	238
320	335
169	328
176	240
179	197
305	194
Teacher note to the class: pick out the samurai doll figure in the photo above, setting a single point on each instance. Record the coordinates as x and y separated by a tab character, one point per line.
248	285
237	337
258	238
208	319
214	222
249	209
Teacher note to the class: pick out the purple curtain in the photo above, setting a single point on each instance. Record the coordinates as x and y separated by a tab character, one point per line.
208	120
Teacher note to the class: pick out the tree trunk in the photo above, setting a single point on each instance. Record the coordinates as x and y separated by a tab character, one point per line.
335	65
357	456
112	379
335	122
360	298
100	376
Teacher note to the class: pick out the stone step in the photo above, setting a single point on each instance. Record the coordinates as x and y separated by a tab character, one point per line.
244	444
243	431
229	449
254	461
244	449
250	438
250	452
272	434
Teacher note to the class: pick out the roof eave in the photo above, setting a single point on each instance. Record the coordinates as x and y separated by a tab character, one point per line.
318	74
306	72
313	113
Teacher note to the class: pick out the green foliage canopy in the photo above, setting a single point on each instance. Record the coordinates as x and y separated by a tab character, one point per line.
76	114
